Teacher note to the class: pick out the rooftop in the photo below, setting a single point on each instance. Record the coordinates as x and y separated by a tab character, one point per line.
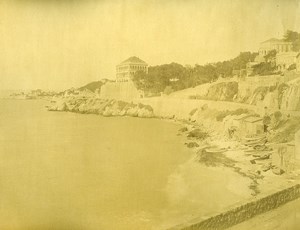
132	60
274	40
253	119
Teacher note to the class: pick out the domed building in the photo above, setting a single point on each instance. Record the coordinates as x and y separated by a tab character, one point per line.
126	69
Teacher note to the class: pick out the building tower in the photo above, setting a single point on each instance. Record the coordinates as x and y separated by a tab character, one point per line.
129	67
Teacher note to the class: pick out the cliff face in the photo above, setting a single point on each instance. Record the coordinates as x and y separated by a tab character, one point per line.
276	95
224	91
102	107
291	97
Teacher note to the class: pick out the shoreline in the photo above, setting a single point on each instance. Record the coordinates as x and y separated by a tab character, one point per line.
235	158
240	161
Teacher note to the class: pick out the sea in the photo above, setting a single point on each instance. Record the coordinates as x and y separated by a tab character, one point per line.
61	170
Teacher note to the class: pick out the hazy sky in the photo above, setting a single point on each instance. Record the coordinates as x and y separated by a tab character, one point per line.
63	43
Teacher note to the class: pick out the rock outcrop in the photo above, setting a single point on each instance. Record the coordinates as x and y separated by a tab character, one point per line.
224	91
104	107
291	97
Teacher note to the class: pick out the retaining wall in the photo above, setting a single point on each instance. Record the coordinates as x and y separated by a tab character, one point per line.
242	212
119	90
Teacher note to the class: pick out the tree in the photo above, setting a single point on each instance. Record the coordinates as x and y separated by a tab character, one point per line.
180	77
291	36
264	68
168	90
294	37
270	56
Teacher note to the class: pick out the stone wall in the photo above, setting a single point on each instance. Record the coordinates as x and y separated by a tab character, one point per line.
242	212
120	91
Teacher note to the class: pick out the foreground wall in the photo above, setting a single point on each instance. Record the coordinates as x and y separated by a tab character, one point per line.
242	212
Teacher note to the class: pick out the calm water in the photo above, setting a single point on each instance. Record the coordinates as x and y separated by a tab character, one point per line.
73	171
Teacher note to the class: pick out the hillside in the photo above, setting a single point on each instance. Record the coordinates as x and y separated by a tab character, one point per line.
92	86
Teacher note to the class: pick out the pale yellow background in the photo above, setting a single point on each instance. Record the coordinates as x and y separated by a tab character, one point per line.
51	44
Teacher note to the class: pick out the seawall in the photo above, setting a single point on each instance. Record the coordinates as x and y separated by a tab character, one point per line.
242	211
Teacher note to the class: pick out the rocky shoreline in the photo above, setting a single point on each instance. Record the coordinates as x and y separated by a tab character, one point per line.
204	130
104	107
214	149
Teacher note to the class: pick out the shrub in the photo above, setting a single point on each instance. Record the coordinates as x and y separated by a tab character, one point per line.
292	67
168	90
214	159
198	134
223	114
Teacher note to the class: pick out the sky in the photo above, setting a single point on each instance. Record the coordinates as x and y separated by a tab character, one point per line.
58	44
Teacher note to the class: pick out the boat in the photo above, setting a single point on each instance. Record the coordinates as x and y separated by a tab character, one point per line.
266	167
262	153
264	157
216	150
254	138
261	147
256	142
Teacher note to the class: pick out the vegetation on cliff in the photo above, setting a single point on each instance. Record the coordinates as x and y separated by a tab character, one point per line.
177	77
93	86
267	67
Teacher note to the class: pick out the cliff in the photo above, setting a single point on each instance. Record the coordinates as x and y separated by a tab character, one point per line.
273	92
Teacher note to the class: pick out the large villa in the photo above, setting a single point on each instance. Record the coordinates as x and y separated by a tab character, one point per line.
126	69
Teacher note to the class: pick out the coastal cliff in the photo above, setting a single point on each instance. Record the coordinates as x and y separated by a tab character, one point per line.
275	92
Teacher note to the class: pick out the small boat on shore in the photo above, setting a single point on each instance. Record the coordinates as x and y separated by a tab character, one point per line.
254	138
216	150
262	153
255	142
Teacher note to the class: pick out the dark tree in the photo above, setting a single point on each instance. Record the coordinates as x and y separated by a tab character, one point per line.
294	37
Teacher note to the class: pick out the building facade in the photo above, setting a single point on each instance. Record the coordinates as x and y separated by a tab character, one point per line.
129	67
274	44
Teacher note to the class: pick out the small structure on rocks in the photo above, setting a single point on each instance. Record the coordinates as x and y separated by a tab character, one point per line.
252	125
248	125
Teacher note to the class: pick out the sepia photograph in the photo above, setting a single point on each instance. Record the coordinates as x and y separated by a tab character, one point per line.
149	115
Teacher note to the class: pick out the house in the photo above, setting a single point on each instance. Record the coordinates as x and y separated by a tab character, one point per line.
253	125
274	44
244	125
248	125
127	69
286	60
